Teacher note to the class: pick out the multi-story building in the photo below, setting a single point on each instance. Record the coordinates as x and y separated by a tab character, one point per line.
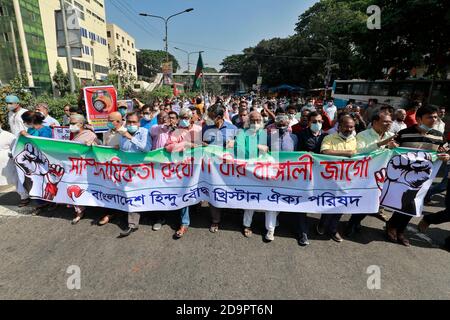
28	43
122	46
22	46
94	64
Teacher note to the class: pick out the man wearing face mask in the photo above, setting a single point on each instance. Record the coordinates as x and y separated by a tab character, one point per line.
342	144
291	112
310	140
186	136
218	133
17	126
15	113
331	110
421	136
115	126
249	144
281	139
112	139
148	121
122	108
134	139
48	121
160	132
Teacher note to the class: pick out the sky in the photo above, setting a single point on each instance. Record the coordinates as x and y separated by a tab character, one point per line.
219	27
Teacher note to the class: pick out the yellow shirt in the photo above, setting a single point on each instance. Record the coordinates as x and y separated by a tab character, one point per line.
335	143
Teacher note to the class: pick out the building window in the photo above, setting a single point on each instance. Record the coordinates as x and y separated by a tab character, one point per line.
118	51
117	36
123	39
6	37
3	11
108	33
101	69
132	45
99	3
79	6
128	42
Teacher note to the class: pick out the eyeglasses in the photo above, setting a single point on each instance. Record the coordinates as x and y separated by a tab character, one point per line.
146	113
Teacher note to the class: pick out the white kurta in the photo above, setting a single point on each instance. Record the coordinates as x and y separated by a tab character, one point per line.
8	173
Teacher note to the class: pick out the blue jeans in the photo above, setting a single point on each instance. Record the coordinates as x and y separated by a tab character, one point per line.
185	220
440	187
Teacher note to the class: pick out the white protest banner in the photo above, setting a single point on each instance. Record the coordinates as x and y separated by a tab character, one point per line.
76	174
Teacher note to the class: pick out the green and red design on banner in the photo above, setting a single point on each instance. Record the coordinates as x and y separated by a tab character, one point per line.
75	174
198	74
100	102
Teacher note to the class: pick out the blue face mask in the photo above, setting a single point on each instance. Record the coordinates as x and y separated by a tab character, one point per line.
110	125
123	112
424	128
184	123
316	127
132	129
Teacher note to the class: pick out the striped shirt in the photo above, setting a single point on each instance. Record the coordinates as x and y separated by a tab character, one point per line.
412	137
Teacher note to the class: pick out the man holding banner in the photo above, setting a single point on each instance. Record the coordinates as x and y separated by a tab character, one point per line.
421	136
135	139
341	144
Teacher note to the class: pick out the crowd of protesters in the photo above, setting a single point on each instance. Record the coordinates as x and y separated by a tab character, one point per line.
255	126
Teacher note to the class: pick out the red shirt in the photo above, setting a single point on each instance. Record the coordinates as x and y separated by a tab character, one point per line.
410	119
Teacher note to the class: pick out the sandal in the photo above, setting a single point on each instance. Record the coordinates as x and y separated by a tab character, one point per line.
78	217
214	228
181	232
248	232
24	202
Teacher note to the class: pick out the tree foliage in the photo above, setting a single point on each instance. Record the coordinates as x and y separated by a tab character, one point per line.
414	33
149	62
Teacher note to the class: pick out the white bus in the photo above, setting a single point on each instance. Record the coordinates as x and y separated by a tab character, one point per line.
394	93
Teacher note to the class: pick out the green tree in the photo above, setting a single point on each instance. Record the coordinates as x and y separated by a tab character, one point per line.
61	80
149	62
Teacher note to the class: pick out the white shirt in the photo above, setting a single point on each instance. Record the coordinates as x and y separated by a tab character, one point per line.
440	126
331	111
8	173
397	126
15	121
48	121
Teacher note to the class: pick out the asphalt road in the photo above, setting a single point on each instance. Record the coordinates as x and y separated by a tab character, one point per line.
36	252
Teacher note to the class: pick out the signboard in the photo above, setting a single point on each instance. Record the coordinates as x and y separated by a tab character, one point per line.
61	133
100	102
167	70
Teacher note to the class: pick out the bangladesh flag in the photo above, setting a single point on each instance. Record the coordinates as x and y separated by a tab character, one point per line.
198	74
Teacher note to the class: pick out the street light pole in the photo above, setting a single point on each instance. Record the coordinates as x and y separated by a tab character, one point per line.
328	67
166	21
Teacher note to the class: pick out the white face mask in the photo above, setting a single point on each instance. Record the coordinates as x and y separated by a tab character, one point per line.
11	107
147	117
209	122
74	128
28	126
256	127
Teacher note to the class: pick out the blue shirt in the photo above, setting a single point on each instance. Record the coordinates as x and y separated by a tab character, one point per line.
148	124
219	137
45	132
140	142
